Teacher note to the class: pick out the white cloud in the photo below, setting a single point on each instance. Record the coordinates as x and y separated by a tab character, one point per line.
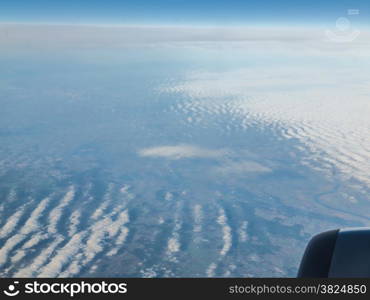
81	247
94	243
69	36
63	256
30	226
106	226
32	223
210	272
168	196
173	244
18	256
11	223
56	213
243	235
324	106
242	167
119	240
9	246
74	220
148	273
73	268
226	232
181	151
106	201
34	240
121	36
122	219
198	217
15	38
40	260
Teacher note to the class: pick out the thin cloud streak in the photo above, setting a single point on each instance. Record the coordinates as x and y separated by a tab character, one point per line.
181	151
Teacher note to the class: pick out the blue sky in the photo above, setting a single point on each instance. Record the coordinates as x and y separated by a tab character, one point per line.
183	12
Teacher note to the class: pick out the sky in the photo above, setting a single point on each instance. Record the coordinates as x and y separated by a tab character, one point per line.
184	12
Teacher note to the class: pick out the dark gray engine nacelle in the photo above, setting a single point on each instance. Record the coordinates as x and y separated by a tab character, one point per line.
337	253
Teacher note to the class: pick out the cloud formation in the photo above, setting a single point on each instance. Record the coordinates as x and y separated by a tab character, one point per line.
57	212
242	167
181	151
64	254
11	223
325	107
67	37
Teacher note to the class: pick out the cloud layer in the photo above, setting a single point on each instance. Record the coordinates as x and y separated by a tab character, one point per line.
43	37
326	109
